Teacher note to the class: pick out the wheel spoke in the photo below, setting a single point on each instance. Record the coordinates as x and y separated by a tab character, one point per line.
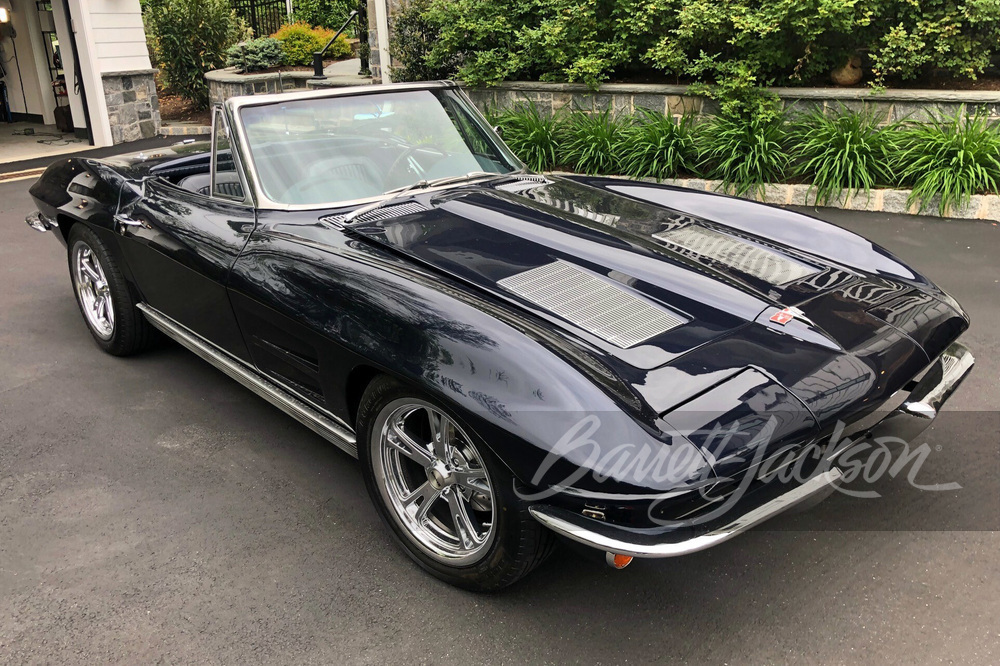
101	308
442	432
91	273
419	502
465	531
408	446
473	479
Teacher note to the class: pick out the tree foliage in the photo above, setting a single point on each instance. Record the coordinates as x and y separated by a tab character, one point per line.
325	13
189	38
782	42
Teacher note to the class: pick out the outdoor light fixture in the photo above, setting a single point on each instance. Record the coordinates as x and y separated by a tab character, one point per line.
4	15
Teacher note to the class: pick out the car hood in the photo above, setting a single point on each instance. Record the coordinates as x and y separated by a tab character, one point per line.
715	291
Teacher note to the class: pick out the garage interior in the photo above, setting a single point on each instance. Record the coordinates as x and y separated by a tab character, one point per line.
41	107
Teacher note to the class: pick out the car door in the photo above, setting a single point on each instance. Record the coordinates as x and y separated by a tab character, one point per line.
181	242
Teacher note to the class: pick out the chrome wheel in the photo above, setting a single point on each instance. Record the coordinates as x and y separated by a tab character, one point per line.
93	291
434	482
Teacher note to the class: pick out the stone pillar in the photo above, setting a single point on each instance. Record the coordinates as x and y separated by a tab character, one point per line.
133	107
375	59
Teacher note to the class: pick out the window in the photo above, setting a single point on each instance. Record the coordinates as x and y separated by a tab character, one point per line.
325	150
225	178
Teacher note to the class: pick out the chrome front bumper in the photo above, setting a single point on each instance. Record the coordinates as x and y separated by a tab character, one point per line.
907	421
40	222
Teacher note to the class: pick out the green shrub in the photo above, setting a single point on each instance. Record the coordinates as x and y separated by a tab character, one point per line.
411	42
843	151
959	38
791	40
657	146
325	13
788	42
951	157
552	40
255	54
745	153
300	41
191	37
534	138
590	143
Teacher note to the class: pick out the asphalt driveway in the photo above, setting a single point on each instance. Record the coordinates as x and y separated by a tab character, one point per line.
153	511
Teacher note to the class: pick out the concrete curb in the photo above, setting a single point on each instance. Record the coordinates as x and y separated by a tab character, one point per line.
980	206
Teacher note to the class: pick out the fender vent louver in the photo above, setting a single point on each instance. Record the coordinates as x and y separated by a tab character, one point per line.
598	307
522	183
378	214
737	254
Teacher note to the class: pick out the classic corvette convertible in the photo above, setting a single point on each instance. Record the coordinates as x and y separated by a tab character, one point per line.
514	358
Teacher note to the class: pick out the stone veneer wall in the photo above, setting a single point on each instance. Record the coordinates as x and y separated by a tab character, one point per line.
226	83
133	107
624	98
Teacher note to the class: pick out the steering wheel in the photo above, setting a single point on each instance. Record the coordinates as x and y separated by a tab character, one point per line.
390	175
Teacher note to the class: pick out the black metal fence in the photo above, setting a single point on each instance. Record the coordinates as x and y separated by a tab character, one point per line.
264	16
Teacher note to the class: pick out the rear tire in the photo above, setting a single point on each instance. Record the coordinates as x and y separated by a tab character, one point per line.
438	461
105	299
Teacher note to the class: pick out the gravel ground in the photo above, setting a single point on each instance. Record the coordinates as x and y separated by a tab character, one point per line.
151	510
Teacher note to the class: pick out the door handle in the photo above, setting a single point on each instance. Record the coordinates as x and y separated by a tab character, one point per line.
126	221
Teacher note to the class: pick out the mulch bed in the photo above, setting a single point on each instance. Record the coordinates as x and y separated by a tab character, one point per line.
176	108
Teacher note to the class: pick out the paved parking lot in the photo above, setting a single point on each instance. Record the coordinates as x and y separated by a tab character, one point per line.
153	511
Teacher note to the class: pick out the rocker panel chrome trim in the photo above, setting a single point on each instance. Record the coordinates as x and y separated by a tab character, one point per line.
324	424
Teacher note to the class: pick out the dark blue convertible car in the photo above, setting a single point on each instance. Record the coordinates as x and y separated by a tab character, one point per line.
513	357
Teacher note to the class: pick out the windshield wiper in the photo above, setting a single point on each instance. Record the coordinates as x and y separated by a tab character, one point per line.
398	192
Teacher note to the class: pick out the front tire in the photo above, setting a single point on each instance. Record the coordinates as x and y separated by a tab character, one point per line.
105	299
445	497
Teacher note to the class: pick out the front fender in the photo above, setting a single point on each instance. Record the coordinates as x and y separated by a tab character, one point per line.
537	404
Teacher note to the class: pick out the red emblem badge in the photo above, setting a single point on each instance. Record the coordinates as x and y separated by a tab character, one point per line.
784	316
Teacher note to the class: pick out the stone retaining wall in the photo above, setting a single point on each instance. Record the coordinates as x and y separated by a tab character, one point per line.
226	83
133	107
624	98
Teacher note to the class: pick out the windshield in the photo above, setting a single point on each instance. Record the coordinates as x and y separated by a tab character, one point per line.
334	149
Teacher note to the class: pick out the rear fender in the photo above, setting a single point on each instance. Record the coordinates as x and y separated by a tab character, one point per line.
83	191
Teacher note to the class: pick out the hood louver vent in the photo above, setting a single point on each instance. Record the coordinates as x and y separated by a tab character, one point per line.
522	183
596	306
378	214
737	254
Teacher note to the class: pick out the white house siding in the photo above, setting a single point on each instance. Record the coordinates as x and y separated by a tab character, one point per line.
118	35
116	70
